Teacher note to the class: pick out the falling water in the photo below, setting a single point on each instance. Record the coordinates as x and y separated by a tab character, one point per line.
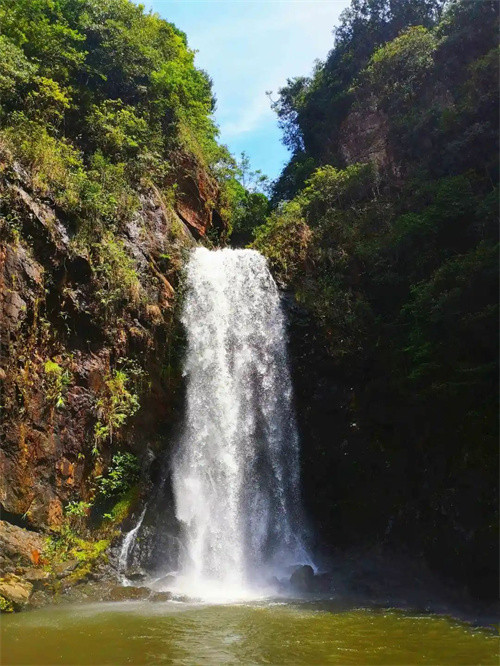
128	543
236	472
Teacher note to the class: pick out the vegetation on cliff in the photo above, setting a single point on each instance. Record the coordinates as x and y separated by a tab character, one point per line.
100	100
110	170
385	227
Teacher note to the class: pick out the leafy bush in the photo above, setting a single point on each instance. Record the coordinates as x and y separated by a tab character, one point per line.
329	187
6	606
119	132
78	509
114	406
284	240
54	164
56	382
122	473
397	71
15	69
117	279
65	544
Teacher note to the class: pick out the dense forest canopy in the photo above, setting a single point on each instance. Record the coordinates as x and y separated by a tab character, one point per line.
100	98
385	227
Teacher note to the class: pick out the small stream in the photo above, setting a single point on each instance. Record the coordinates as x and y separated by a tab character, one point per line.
277	633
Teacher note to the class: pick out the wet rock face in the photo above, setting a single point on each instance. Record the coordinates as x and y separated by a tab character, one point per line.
135	574
51	310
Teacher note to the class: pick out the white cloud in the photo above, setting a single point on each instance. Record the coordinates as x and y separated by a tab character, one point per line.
259	111
258	53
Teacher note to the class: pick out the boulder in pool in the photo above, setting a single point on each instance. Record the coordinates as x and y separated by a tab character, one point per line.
135	573
129	593
160	596
302	579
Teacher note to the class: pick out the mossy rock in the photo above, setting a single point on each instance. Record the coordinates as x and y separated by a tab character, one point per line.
15	591
6	606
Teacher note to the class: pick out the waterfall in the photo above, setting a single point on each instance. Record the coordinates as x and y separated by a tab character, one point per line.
236	469
128	542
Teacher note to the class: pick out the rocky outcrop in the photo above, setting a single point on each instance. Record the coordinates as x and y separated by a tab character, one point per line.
198	193
14	592
18	547
71	313
364	138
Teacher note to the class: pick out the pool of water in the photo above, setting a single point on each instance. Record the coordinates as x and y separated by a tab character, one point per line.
258	633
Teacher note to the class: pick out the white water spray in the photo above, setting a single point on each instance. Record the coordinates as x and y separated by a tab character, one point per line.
236	473
128	542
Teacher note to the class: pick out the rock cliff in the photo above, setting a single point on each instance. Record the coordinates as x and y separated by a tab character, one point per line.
63	341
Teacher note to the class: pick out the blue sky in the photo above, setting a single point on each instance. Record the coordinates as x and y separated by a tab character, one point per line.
249	47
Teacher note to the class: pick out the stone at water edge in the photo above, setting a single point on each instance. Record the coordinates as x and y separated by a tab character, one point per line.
161	596
37	577
63	569
303	579
129	593
164	582
19	546
15	590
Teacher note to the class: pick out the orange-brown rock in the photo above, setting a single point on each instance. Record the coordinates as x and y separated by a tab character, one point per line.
51	311
18	546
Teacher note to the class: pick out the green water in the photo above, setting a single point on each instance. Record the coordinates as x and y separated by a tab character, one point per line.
264	633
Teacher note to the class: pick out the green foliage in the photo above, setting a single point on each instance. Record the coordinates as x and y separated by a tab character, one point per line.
331	188
448	315
311	110
184	97
99	99
48	101
55	166
116	403
42	29
15	69
243	202
78	509
119	132
59	546
121	475
57	381
249	209
116	275
5	605
64	544
398	282
122	506
293	177
397	71
284	240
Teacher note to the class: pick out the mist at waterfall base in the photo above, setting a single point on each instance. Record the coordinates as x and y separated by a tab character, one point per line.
235	470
